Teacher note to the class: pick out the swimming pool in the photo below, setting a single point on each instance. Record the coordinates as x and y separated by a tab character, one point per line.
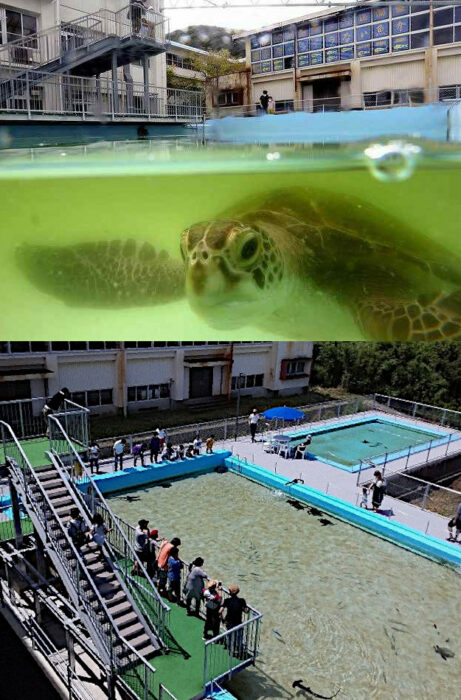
342	609
347	444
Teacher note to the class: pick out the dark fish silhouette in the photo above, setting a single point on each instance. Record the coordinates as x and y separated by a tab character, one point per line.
298	684
324	522
166	485
444	652
296	504
315	511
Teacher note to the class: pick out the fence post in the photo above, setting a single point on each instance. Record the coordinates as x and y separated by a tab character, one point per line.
448	443
146	683
444	415
429	451
415	406
225	429
359	473
426	494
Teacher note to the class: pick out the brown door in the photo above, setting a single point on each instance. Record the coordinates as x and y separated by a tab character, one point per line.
200	382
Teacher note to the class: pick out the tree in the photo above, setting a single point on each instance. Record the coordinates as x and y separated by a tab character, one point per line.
180	83
215	64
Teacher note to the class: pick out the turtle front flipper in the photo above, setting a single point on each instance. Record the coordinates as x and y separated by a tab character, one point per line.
115	274
434	316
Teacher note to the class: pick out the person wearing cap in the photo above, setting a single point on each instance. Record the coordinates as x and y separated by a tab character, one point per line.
234	607
162	562
213	599
194	584
141	539
253	419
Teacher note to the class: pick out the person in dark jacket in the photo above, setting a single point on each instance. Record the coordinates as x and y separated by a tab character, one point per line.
154	447
264	101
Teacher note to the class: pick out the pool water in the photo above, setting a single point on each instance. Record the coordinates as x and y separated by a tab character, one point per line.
348	444
55	200
343	610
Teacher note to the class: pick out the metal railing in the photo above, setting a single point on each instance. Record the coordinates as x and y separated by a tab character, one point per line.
96	98
164	693
58	43
232	428
241	643
123	554
115	650
26	418
425	412
383	99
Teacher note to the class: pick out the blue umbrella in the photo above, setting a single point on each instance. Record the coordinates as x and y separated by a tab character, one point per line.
284	413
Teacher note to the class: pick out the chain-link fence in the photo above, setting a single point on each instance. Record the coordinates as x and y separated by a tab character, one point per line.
431	414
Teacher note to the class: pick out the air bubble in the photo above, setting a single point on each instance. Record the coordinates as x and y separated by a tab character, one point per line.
392	162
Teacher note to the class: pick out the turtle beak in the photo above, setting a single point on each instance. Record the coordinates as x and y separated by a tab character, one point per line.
205	279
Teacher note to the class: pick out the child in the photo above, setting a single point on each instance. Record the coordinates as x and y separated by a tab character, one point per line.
197	444
94	457
364	501
190	452
181	450
138	451
209	445
174	576
453	531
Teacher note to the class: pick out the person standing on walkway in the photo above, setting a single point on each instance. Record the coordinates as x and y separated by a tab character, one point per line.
213	600
197	444
94	453
209	445
174	576
161	436
264	101
119	449
138	452
377	489
193	587
455	524
232	611
162	562
154	446
253	419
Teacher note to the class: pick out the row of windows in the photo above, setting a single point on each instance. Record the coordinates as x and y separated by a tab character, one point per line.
179	61
354	35
148	392
95	397
295	367
247	381
71	346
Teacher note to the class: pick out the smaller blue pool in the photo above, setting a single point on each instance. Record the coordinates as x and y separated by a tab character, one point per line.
347	443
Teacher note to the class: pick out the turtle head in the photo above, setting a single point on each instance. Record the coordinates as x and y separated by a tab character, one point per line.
234	272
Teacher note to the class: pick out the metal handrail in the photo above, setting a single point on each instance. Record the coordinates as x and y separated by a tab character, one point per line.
134	557
74	576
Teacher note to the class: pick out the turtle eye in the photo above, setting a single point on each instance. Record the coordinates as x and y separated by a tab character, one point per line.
248	248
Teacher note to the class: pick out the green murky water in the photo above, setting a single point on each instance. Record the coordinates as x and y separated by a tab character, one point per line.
342	609
152	192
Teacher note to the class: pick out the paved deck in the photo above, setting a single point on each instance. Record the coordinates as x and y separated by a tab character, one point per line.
343	484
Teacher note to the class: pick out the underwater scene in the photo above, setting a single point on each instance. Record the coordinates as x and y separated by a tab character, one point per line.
224	242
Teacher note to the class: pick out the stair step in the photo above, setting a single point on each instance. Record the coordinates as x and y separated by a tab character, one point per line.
119	597
148	650
60	501
46	475
57	492
51	484
120	609
90	547
110	590
98	567
63	511
140	641
125	620
135	630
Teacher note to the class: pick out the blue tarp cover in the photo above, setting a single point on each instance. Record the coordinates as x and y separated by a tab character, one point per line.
426	121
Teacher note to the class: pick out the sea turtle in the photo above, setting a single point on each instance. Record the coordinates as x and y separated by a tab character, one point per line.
263	262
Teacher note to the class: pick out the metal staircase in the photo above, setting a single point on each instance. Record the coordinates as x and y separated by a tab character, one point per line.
95	585
88	46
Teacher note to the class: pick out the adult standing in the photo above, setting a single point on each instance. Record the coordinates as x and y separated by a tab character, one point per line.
232	610
253	419
94	457
213	600
119	449
154	446
455	524
161	436
174	576
377	490
194	584
264	101
53	404
162	561
141	539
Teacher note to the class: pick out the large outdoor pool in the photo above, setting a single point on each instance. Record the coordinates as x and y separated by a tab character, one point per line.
343	610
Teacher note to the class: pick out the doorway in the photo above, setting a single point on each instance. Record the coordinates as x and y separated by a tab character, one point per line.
200	382
326	94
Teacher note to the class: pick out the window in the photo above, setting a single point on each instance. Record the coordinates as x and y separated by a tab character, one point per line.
229	98
247	381
386	98
450	92
20	25
19	347
78	345
59	346
149	392
94	397
284	106
179	61
290	369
